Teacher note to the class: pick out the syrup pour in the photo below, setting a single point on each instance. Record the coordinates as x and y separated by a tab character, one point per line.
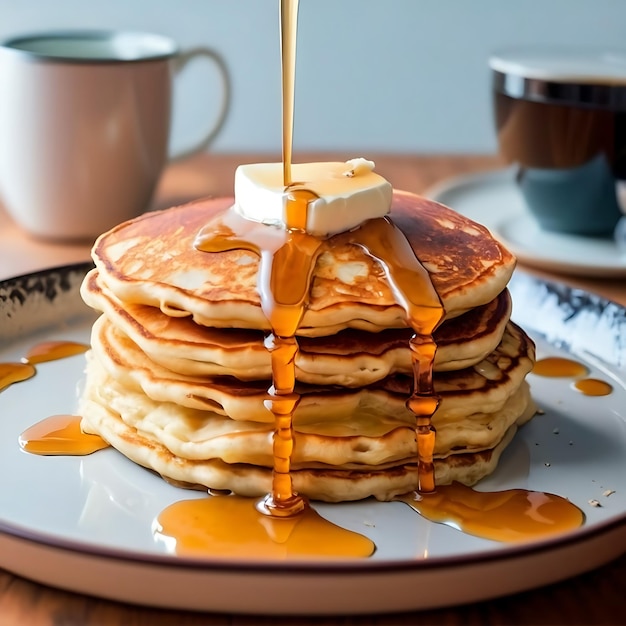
60	435
287	259
288	38
512	515
231	527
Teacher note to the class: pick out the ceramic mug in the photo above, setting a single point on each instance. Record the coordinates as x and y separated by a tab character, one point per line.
85	120
560	115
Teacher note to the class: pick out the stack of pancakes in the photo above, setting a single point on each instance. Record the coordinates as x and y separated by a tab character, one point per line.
178	371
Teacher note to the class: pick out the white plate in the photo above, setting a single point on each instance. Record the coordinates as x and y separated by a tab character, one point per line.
84	523
494	200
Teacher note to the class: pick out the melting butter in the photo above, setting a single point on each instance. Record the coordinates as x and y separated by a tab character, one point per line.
344	195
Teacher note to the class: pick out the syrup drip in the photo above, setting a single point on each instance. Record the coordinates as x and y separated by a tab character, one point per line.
54	350
513	515
413	290
231	527
287	259
287	262
296	201
282	403
60	435
11	373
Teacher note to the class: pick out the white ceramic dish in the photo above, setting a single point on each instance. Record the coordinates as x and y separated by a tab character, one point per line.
84	523
494	200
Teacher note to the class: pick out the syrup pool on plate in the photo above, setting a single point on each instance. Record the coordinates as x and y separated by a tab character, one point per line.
564	367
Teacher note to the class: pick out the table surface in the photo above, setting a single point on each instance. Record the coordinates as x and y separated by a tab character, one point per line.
593	598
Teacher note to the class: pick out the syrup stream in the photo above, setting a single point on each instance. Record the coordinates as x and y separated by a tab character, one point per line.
288	38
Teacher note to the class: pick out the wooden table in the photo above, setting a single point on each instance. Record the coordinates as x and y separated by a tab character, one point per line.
594	598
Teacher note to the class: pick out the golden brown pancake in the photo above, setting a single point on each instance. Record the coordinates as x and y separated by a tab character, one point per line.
178	373
152	260
350	358
354	442
490	381
330	483
477	405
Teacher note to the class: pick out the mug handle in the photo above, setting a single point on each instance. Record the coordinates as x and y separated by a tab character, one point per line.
180	62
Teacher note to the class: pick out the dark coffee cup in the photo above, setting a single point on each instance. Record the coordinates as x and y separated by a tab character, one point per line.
560	115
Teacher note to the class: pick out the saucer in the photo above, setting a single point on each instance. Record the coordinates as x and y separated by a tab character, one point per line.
494	200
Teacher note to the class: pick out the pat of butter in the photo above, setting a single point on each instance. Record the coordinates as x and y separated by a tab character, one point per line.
348	194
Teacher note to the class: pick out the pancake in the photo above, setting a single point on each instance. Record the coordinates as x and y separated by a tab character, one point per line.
178	373
152	260
350	358
485	386
478	405
349	442
331	484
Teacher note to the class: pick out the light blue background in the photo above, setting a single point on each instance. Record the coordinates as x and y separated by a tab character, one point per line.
373	75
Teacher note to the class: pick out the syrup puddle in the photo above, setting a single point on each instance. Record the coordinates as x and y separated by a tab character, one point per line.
60	435
232	527
54	350
11	373
561	367
592	387
510	516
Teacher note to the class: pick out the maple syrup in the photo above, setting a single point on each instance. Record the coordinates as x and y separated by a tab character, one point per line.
592	387
511	515
288	39
561	367
287	259
53	350
11	373
60	435
382	240
231	527
57	434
